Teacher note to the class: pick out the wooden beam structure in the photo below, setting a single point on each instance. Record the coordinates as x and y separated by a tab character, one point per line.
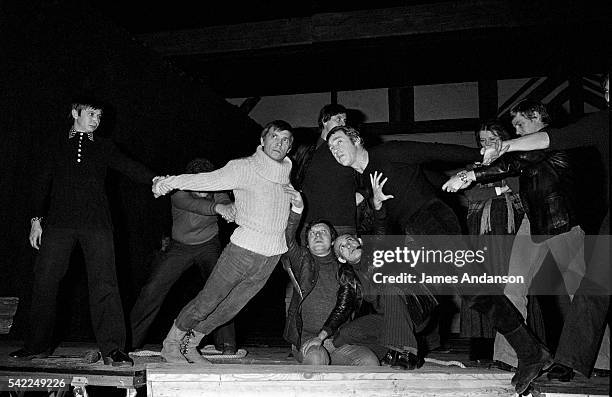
431	18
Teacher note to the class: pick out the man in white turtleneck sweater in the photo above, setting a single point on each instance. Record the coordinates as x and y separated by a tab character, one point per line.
259	183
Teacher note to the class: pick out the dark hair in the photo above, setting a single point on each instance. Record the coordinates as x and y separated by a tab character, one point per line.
527	107
332	230
496	127
86	102
277	125
352	133
198	165
328	111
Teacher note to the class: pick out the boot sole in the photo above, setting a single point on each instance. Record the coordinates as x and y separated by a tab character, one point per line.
542	370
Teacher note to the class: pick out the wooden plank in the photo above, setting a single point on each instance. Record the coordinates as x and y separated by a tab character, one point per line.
443	17
316	388
273	380
419	127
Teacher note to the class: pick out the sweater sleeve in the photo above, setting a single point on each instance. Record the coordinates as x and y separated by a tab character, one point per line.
201	205
423	152
132	169
588	131
226	178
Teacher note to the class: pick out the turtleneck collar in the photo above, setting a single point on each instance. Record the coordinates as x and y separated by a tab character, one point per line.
329	258
270	169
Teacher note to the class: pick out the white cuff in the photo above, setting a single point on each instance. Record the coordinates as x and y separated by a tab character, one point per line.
296	209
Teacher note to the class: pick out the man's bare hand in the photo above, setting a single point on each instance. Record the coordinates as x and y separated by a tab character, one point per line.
227	211
294	195
316	341
161	186
455	183
377	194
493	152
35	234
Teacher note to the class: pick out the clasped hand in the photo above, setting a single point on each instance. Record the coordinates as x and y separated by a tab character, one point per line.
161	186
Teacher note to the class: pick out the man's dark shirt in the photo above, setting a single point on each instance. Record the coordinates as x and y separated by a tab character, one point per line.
329	189
400	162
77	189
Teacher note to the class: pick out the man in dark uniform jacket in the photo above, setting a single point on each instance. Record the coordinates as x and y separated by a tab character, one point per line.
78	211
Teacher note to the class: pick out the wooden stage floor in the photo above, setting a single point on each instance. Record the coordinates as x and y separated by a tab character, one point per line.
269	371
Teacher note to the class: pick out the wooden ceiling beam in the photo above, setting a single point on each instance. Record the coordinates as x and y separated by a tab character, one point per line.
443	17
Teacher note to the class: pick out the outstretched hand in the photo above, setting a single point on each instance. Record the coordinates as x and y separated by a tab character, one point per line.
377	194
161	186
455	183
294	196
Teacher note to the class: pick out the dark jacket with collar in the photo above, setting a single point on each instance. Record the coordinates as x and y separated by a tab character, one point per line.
306	272
72	178
546	187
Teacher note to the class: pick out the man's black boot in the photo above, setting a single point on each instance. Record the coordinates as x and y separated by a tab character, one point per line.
118	358
403	360
533	358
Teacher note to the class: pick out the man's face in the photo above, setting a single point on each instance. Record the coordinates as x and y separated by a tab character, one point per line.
334	121
319	239
87	120
525	126
348	248
276	144
343	149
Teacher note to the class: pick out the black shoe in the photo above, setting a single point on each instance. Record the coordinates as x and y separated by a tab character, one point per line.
25	355
560	372
117	358
528	371
228	349
403	360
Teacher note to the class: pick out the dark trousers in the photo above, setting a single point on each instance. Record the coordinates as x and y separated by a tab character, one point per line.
589	312
436	218
104	299
238	275
167	270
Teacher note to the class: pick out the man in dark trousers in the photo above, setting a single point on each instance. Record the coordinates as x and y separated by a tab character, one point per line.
416	210
584	328
195	241
78	211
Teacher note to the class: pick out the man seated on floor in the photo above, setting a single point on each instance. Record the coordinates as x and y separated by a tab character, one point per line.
402	317
327	295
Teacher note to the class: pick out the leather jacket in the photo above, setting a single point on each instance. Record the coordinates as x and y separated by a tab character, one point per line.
301	262
546	187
